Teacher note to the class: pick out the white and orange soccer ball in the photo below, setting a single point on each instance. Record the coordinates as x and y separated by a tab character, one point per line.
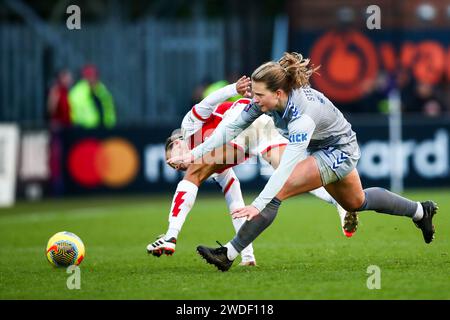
65	249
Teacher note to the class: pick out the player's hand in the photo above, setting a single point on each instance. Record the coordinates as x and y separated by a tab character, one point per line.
181	161
249	211
243	86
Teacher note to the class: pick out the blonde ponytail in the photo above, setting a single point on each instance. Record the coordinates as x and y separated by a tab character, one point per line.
298	70
289	73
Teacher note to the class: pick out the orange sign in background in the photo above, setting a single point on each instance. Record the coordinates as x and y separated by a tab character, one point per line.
350	59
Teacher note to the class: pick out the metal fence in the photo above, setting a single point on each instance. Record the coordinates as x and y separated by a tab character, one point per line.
151	67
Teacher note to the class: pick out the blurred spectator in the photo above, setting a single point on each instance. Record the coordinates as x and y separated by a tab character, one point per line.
91	102
58	100
424	100
375	94
446	96
405	85
432	108
59	110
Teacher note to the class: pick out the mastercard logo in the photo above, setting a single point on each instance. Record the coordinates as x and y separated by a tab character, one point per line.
347	60
113	162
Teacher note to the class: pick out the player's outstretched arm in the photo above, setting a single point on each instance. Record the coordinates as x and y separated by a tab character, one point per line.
300	131
204	108
196	117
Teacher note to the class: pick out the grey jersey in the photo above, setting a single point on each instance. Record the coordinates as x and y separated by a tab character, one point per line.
310	121
331	128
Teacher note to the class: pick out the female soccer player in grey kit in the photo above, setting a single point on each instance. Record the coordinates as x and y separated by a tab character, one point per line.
322	151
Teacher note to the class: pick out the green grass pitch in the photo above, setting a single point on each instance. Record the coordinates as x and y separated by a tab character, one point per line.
303	255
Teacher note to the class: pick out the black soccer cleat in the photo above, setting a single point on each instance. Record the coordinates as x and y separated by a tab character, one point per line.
217	257
426	223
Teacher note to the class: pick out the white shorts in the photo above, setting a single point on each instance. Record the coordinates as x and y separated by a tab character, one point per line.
259	137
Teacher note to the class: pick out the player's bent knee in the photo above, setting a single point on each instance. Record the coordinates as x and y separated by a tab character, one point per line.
354	203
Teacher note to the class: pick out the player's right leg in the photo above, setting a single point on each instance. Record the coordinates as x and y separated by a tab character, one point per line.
231	188
182	203
304	178
349	219
272	154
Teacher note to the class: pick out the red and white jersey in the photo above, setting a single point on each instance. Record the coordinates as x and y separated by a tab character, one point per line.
211	123
202	120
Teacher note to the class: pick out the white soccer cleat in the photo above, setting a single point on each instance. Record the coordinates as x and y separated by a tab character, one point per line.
162	246
349	221
248	258
251	263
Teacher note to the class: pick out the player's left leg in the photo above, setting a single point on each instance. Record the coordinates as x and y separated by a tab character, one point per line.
186	193
338	174
383	201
